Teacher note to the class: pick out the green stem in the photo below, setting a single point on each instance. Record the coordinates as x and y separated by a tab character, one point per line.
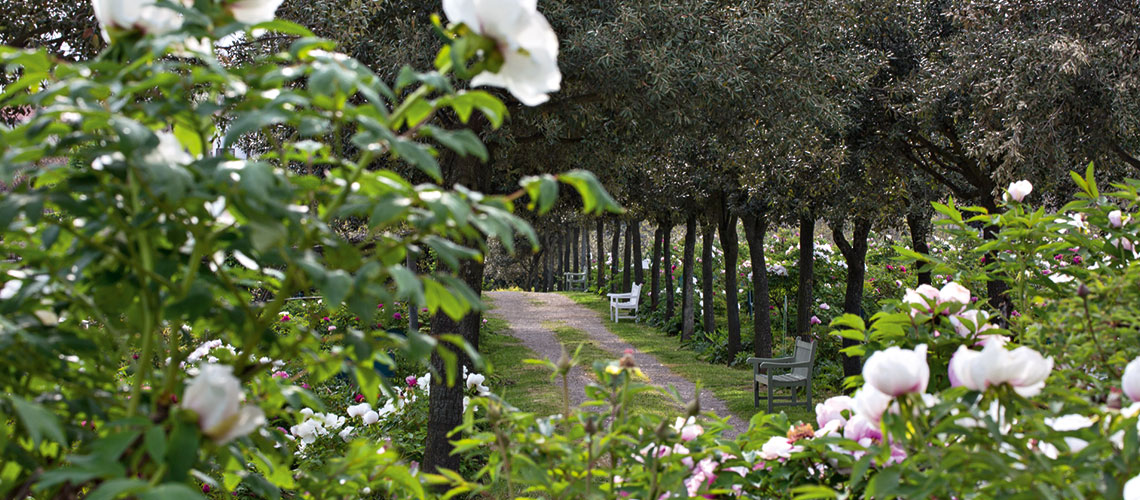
147	327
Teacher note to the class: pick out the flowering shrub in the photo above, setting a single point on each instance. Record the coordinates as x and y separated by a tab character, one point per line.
204	194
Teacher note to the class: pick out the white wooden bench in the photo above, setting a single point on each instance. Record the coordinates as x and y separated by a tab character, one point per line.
625	302
797	372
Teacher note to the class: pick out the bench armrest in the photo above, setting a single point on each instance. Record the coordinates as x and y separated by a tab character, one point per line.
756	361
784	364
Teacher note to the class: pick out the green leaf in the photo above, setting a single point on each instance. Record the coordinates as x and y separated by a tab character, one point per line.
439	297
542	190
1091	180
595	199
489	105
115	488
171	491
284	27
155	442
462	141
418	155
38	422
189	138
251	121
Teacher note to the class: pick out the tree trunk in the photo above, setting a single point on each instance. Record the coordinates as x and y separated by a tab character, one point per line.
586	253
564	239
638	271
855	254
413	308
708	314
755	230
667	258
731	246
655	271
601	255
575	261
997	290
807	261
627	258
532	277
445	405
615	259
547	272
687	320
919	224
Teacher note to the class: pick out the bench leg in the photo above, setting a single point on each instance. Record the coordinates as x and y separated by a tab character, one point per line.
755	393
769	396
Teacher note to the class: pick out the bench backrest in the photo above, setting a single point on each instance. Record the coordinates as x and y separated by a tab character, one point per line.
636	292
805	351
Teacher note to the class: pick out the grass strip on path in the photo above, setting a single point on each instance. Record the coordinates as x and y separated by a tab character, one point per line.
650	402
526	386
731	385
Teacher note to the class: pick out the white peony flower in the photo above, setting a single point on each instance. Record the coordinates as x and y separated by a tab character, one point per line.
136	15
1019	190
370	417
1023	368
1132	489
1130	382
254	11
896	371
1116	218
778	447
215	394
870	403
527	42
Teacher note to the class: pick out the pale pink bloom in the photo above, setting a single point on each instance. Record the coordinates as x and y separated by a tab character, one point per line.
1130	382
896	371
1019	190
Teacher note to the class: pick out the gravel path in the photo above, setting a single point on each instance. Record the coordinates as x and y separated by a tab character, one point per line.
525	313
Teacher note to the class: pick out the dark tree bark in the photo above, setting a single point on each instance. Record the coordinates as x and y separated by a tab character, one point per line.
855	254
655	271
997	290
729	242
755	230
547	272
807	275
667	257
445	405
586	252
627	258
559	259
413	309
601	255
575	261
615	256
532	277
638	272
568	248
919	224
708	314
687	320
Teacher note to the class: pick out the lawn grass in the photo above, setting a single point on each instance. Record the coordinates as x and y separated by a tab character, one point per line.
731	385
526	386
651	402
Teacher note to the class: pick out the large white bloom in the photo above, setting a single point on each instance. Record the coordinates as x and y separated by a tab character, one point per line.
216	396
254	11
1020	189
896	371
832	410
1130	382
141	15
870	403
1132	489
1023	368
527	42
778	447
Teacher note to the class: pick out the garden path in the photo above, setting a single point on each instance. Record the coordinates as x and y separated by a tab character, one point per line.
527	312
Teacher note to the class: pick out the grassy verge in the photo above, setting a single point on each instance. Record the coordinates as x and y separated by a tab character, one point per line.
731	385
526	386
652	403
